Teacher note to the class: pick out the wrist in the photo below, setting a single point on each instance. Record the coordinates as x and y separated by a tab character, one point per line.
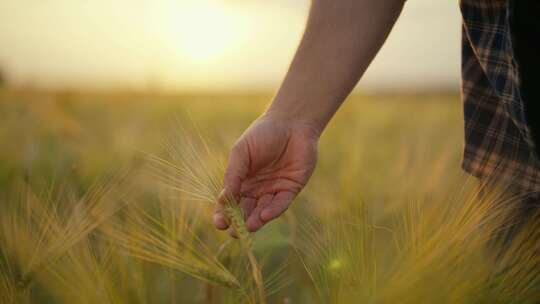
296	119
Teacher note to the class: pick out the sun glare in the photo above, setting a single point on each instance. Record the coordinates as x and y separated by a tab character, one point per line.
203	30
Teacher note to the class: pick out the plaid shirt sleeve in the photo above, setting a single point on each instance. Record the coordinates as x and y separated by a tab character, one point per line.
498	141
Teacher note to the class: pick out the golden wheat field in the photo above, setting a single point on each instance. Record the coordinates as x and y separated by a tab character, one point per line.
108	197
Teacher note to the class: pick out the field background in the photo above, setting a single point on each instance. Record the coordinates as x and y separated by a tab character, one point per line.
381	152
407	139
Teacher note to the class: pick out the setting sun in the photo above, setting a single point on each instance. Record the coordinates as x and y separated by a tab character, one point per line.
202	31
201	44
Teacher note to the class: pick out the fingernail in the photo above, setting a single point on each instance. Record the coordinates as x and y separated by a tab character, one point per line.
265	215
251	225
219	221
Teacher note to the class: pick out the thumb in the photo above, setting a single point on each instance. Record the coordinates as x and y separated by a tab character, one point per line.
236	172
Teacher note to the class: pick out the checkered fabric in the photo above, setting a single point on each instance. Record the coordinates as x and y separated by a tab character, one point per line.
498	140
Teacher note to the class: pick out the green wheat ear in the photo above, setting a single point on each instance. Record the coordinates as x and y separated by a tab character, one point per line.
236	217
223	278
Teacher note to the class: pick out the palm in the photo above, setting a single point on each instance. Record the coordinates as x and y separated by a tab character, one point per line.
269	166
281	159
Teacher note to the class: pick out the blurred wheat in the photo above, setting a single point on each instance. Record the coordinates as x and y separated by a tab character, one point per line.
392	224
196	170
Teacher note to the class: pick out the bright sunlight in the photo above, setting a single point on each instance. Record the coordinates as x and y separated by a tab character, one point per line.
204	30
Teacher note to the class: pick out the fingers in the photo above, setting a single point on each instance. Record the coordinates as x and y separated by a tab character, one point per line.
220	221
237	169
256	187
236	172
254	221
279	204
247	204
268	208
256	212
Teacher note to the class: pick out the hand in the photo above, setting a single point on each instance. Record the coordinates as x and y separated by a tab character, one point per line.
268	166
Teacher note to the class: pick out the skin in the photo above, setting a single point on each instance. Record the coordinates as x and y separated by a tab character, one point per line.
275	157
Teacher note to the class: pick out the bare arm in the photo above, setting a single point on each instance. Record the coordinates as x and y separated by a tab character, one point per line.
341	39
275	157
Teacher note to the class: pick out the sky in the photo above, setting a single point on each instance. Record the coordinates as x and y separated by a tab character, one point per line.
205	44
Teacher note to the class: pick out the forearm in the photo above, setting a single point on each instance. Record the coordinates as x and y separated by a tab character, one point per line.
341	39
